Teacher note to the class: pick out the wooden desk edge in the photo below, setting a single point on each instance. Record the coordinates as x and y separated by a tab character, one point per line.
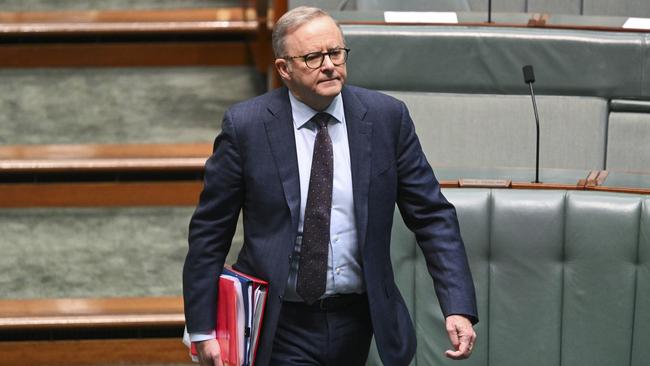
91	313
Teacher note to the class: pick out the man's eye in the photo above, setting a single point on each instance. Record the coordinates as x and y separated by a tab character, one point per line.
336	52
312	56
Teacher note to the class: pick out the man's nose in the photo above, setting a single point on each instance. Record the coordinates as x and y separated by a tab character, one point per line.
327	63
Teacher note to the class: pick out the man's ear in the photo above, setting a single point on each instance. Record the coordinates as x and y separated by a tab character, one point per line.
282	66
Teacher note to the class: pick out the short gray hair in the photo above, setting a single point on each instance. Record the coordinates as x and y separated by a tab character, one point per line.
291	20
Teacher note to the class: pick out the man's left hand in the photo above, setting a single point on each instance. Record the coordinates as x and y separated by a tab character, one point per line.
462	337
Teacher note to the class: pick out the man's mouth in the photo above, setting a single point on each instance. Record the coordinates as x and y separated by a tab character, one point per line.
326	80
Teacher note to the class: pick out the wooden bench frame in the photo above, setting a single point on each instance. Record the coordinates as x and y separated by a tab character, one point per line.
91	313
238	36
79	158
108	313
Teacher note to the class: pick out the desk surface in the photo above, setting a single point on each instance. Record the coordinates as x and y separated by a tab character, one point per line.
586	22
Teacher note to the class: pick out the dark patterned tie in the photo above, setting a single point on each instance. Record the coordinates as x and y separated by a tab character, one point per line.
316	227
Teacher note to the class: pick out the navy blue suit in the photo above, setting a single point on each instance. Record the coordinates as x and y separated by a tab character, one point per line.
254	167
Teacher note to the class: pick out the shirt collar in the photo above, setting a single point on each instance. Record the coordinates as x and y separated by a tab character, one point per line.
303	113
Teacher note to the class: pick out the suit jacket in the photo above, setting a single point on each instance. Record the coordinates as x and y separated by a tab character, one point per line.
254	167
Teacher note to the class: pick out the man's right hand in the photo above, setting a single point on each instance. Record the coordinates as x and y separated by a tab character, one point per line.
209	353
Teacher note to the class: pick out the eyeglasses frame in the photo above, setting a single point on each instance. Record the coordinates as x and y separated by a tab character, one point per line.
322	59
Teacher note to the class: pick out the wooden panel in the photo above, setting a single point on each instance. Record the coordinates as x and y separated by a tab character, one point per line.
91	306
130	15
449	183
279	8
32	159
547	186
100	194
91	313
225	53
105	151
140	165
94	352
134	28
620	189
133	21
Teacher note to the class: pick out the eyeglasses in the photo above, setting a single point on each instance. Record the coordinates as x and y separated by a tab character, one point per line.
314	60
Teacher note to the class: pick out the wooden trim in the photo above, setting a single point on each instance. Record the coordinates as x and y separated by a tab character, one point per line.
279	8
122	54
91	313
484	183
581	185
173	193
546	186
449	184
36	166
619	189
133	21
129	15
504	25
94	352
104	151
35	159
97	29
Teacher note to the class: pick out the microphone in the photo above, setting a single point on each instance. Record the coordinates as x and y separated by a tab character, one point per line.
529	78
489	11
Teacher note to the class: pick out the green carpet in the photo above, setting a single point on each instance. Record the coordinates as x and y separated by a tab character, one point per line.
119	105
94	252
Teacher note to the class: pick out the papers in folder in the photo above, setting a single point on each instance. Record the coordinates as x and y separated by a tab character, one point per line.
240	310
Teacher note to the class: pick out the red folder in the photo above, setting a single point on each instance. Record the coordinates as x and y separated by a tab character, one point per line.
228	332
240	310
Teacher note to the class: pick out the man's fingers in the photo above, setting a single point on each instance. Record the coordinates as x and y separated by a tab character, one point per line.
454	355
452	332
464	350
209	353
462	337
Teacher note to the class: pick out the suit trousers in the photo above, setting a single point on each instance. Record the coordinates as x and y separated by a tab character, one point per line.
315	335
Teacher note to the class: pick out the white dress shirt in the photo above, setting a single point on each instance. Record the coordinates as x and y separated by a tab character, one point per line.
344	272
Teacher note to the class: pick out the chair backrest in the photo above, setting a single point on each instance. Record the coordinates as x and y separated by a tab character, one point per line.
489	60
478	130
628	140
561	277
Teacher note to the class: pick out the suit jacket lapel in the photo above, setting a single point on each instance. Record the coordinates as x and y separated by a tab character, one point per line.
279	129
359	138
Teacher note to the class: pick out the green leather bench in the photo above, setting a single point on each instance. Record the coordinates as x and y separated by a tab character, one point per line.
465	90
561	277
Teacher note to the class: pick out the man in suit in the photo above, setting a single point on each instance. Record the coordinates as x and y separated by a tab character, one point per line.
317	168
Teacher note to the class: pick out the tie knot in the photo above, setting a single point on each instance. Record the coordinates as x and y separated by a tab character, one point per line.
321	119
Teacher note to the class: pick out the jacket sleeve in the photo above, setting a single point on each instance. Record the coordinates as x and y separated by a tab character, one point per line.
212	228
433	219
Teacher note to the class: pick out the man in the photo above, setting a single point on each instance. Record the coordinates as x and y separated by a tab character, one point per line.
318	191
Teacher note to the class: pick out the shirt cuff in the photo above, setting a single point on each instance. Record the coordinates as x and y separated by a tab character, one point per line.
202	336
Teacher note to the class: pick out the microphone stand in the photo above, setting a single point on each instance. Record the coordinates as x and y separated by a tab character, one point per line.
489	11
529	78
532	93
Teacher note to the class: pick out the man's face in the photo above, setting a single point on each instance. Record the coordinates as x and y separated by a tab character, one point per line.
314	87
